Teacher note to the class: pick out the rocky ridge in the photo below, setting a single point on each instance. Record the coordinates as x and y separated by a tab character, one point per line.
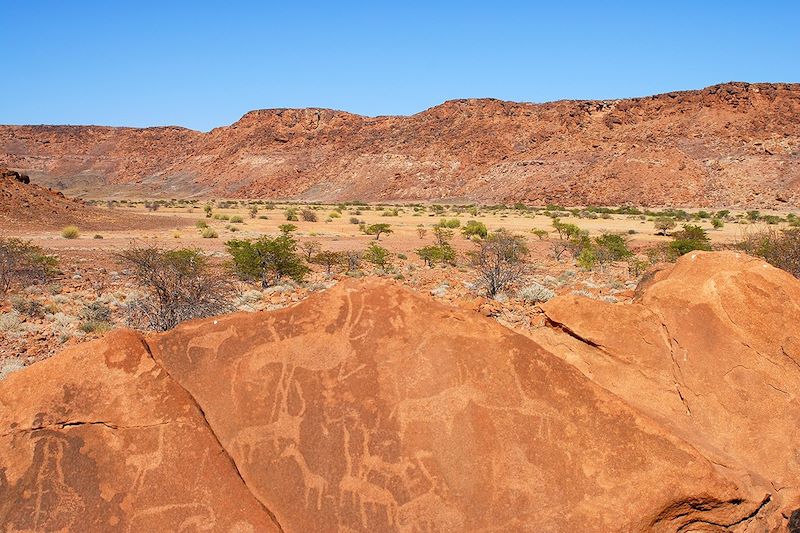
729	145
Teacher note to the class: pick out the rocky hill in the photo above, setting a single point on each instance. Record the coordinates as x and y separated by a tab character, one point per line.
370	407
732	145
28	206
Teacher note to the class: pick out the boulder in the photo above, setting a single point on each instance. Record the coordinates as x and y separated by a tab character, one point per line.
367	407
711	349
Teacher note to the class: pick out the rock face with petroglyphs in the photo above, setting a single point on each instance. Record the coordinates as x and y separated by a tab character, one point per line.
710	347
365	408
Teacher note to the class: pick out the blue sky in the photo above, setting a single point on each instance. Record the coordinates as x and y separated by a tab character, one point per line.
204	64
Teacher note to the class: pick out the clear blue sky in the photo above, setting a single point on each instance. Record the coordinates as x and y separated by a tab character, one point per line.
203	64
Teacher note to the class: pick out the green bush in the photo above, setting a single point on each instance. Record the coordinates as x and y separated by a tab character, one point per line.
475	228
377	255
690	238
267	259
236	219
434	254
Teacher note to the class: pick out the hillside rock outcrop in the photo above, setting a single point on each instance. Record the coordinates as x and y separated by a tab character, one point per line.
733	145
370	407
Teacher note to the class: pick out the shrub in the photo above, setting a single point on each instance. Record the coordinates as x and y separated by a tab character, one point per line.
308	215
209	233
236	219
780	248
208	210
291	214
474	228
541	233
310	248
442	235
334	214
587	258
611	247
267	259
500	260
449	223
354	220
377	255
434	254
23	264
178	285
565	231
92	326
717	223
253	211
28	306
96	312
352	259
535	293
329	260
637	266
690	238
70	232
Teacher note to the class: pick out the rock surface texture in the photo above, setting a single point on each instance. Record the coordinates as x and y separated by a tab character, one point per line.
372	408
733	145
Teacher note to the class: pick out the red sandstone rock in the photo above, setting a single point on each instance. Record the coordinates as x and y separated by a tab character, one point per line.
364	408
733	144
711	348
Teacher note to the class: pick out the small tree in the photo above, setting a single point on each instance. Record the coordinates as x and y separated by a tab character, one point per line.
179	285
437	254
565	231
253	211
500	260
268	259
541	233
377	255
475	229
286	229
23	264
663	225
310	248
352	259
208	208
442	235
422	232
329	260
378	230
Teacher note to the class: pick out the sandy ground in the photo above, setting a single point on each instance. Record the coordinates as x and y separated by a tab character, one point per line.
91	273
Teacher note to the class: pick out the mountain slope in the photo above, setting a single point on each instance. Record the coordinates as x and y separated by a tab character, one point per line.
734	144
